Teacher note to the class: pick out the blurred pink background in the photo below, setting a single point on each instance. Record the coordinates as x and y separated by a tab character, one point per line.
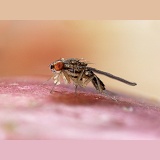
128	49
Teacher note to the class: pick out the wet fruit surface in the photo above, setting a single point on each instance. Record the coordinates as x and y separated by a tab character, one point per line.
29	111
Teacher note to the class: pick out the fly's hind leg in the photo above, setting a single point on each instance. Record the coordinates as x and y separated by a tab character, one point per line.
87	81
98	84
110	95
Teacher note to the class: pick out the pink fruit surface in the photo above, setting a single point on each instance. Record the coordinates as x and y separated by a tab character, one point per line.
29	111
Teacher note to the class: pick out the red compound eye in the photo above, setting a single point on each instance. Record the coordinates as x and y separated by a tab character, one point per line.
58	66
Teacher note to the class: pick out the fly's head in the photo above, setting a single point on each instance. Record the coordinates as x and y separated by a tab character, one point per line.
57	65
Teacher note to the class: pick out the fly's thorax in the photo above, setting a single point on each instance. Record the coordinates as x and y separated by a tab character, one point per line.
74	64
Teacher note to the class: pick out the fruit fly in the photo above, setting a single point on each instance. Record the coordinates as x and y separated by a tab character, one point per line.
76	70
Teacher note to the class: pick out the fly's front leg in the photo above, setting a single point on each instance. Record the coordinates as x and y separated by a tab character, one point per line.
56	81
66	77
48	80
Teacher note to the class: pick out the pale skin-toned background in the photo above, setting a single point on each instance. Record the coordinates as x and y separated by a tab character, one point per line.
129	49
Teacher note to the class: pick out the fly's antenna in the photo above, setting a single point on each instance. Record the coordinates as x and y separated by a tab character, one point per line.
112	76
